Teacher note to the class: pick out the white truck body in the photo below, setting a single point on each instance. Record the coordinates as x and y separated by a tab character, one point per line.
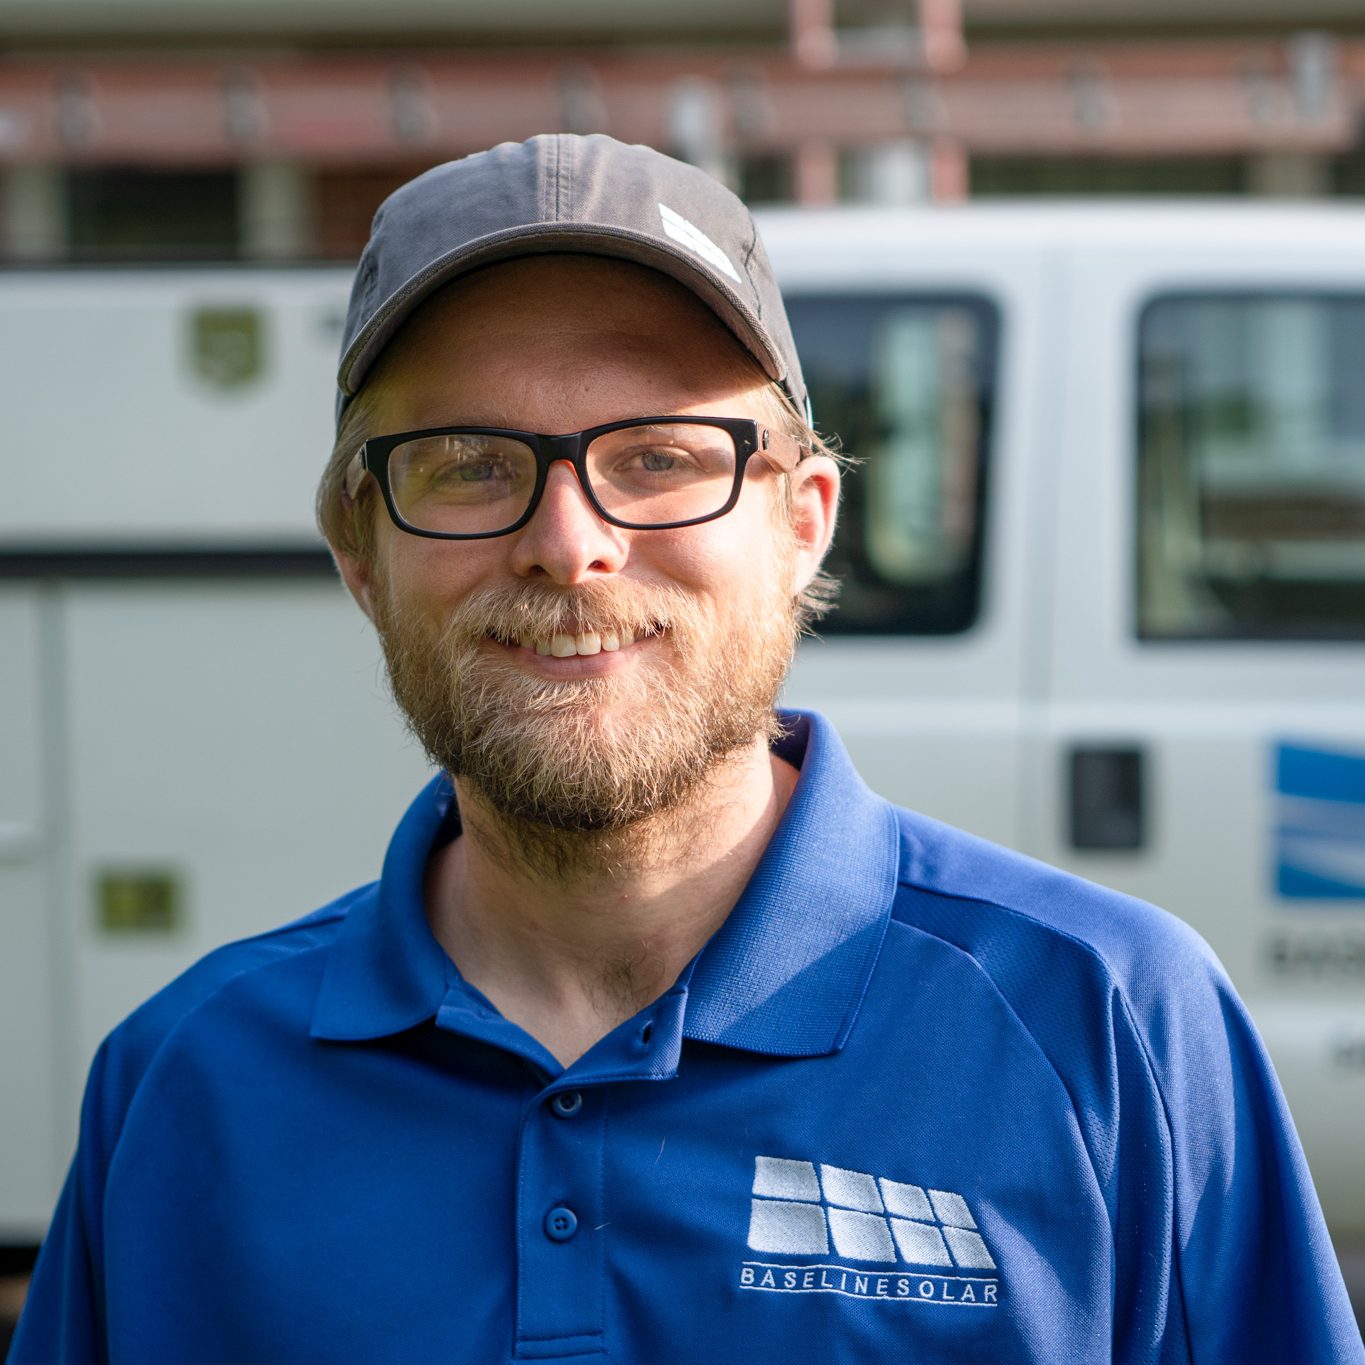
197	742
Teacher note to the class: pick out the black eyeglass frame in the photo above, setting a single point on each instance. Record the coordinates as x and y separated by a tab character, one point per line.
373	457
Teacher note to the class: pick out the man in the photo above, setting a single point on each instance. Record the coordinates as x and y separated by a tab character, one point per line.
660	1037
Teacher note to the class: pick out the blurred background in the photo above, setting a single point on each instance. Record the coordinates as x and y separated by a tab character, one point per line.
269	129
1082	281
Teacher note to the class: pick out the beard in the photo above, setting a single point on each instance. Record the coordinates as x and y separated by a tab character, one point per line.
561	763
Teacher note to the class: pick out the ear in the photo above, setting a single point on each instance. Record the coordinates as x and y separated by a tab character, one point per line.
814	492
358	576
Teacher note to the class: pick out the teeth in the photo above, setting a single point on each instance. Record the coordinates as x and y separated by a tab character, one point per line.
564	646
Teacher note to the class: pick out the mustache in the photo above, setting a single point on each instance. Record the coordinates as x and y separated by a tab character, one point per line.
533	611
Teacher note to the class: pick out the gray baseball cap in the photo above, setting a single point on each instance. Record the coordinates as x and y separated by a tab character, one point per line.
562	192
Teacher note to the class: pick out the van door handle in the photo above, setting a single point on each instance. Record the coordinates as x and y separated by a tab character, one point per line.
1107	806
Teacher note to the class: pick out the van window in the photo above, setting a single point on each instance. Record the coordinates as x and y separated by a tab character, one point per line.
1251	468
907	384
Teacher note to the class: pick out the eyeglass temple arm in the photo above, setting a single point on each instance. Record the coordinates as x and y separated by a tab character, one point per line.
355	472
784	453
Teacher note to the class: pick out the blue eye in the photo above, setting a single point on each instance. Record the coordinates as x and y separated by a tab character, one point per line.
658	461
474	471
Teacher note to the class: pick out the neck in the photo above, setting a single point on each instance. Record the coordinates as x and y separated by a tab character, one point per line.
570	934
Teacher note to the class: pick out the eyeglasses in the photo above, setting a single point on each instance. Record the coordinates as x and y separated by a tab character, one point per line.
648	473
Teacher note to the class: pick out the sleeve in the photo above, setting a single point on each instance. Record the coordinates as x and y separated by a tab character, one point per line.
62	1322
1212	1169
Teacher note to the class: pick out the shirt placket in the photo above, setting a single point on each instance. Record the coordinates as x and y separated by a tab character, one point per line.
563	1221
561	1225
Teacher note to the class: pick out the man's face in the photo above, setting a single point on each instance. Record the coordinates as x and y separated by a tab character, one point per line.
478	634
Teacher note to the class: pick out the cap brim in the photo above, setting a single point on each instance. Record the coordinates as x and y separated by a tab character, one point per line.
550	238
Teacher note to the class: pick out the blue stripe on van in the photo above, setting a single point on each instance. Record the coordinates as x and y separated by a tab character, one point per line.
1295	884
1324	774
1320	823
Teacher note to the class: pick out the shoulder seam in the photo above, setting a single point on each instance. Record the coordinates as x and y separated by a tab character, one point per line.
1124	1004
1087	947
979	967
1111	976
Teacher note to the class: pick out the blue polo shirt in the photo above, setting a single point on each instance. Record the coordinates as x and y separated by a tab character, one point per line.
919	1099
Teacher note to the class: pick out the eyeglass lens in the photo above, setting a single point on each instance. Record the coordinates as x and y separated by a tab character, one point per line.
470	483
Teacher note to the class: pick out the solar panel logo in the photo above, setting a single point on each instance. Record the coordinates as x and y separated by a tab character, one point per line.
799	1209
1320	823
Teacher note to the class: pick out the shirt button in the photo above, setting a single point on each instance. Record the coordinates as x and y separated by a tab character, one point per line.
560	1224
566	1103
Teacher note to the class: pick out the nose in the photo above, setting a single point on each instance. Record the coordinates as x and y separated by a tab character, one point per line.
566	541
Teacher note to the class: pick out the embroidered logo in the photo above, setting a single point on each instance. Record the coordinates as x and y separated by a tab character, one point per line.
695	240
908	1242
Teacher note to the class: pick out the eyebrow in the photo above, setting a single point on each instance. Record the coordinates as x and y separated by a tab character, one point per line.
432	411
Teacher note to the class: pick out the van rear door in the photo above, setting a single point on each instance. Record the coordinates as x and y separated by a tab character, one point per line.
1204	742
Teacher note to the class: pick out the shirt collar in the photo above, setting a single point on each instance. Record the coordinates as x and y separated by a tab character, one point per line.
785	974
386	972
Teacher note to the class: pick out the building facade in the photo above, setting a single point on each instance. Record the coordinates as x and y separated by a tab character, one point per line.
203	129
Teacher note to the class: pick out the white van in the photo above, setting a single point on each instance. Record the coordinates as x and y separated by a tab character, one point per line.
1105	602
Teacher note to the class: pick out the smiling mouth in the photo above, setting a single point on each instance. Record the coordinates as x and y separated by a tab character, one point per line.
563	645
